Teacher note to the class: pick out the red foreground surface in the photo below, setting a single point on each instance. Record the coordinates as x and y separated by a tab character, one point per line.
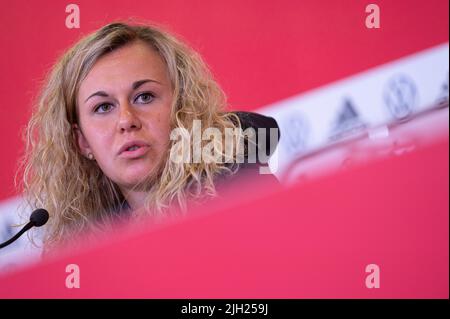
313	240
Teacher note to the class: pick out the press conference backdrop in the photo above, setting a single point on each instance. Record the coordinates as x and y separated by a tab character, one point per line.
315	66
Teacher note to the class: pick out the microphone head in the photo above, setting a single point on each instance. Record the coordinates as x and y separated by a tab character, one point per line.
39	217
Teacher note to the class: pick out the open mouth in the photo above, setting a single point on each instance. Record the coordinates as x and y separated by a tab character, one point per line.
134	151
132	148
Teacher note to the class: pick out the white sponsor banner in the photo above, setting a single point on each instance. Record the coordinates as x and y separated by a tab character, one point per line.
22	252
387	93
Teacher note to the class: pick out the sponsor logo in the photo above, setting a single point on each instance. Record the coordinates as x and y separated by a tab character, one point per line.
295	138
400	97
347	122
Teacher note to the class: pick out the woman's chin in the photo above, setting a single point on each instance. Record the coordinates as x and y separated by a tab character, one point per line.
138	177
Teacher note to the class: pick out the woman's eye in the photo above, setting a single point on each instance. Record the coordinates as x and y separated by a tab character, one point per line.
145	97
103	108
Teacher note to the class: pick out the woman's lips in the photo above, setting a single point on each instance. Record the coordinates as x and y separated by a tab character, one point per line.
141	150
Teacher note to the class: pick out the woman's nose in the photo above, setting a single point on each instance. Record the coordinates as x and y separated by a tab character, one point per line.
128	119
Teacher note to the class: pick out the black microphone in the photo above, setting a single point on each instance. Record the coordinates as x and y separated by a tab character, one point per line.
37	218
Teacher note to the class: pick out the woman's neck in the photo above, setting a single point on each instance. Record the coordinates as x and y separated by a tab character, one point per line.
135	199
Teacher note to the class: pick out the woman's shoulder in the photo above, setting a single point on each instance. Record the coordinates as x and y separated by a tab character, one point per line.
251	169
256	120
267	136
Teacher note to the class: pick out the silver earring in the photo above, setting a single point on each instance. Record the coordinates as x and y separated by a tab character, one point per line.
91	156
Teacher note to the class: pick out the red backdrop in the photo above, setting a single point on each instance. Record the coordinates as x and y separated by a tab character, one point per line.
260	51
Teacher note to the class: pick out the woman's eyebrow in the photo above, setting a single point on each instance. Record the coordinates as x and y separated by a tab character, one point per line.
134	86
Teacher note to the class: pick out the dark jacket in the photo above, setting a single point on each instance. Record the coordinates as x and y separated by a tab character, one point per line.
250	170
259	121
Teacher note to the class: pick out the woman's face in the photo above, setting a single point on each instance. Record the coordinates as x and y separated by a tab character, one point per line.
124	107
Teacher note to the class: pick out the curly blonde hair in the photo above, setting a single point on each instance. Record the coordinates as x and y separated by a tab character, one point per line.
74	190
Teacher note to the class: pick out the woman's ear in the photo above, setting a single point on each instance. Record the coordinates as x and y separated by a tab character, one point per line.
81	141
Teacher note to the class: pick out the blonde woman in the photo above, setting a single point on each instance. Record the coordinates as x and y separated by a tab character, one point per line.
98	142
